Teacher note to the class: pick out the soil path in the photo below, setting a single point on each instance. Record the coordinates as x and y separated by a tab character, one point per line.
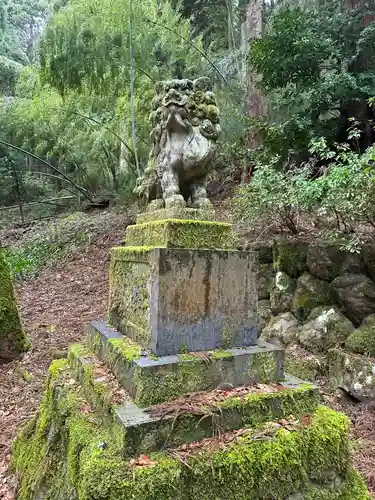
55	309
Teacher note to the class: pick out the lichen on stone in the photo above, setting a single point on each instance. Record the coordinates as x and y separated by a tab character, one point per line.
176	233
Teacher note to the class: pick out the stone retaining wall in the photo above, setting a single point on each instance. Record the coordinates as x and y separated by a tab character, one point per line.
315	298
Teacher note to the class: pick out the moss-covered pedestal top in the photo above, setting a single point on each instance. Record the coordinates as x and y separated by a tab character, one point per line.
176	213
180	228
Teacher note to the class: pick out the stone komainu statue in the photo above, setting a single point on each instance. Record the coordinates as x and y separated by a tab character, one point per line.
185	121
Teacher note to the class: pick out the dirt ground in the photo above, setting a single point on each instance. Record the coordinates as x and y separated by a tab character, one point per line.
55	309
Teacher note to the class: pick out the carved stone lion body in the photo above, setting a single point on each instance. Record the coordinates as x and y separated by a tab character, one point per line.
186	127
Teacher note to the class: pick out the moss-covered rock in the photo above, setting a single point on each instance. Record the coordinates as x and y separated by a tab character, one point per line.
282	292
290	257
310	293
326	328
328	262
266	278
362	340
69	452
264	314
282	330
13	340
303	364
353	373
355	294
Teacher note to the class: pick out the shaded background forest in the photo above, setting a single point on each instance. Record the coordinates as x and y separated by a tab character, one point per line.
295	82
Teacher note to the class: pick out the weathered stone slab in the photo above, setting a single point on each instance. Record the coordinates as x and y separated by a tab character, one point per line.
175	300
175	213
146	432
176	233
150	380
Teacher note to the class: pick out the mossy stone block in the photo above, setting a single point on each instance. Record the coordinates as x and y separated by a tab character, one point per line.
152	380
13	340
176	213
147	431
169	300
69	452
177	233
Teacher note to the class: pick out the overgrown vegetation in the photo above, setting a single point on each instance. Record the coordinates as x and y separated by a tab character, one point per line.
54	242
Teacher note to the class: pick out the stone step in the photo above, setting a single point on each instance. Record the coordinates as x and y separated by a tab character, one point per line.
192	417
69	448
98	383
151	380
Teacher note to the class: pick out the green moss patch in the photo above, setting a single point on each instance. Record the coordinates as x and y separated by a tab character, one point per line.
13	340
99	384
290	257
175	213
175	233
362	340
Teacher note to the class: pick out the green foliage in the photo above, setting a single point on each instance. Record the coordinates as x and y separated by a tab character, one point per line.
342	194
317	70
85	45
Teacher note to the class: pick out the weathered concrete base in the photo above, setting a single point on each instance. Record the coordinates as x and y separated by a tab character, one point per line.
152	380
72	450
175	300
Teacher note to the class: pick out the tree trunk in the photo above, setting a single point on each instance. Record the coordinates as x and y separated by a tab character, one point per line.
255	105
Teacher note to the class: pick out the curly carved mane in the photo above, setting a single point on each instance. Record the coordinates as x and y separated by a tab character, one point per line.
184	118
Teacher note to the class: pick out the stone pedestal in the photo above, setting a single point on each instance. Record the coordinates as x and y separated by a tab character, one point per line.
180	300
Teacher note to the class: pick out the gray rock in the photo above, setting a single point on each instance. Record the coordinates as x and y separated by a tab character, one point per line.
310	293
326	328
303	364
282	293
329	262
282	330
264	314
355	294
353	373
369	258
266	278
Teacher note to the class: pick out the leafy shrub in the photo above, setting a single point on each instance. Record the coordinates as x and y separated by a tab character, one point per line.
343	192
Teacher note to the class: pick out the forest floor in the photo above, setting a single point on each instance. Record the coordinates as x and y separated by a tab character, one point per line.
55	309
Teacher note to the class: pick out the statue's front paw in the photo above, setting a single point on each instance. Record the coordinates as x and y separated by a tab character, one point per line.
175	201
